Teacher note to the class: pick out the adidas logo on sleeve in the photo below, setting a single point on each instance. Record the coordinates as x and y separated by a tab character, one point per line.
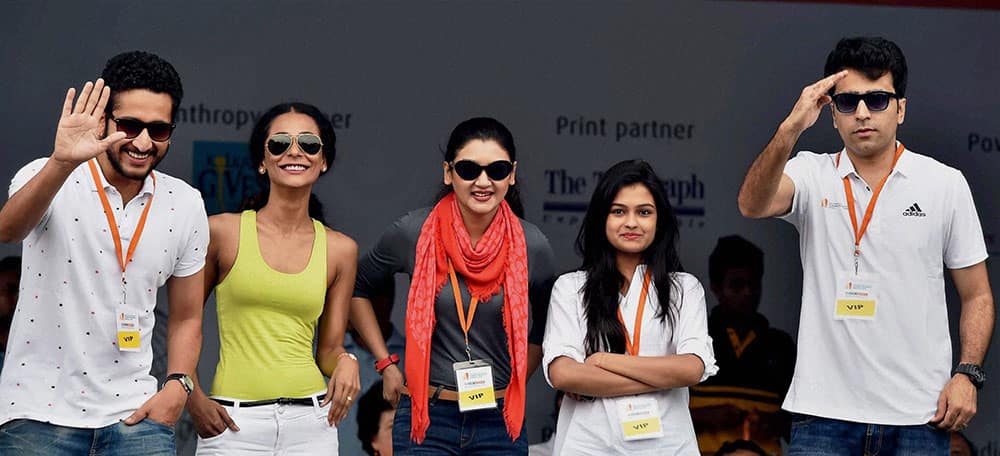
914	211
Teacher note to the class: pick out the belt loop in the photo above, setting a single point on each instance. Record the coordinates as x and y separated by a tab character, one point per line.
316	408
236	406
437	392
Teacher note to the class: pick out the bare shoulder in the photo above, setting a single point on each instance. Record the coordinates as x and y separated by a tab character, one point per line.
224	226
340	246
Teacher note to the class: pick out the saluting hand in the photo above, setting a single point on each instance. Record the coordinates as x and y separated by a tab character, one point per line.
78	136
811	102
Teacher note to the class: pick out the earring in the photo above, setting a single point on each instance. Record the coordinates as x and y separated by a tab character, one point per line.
324	169
261	170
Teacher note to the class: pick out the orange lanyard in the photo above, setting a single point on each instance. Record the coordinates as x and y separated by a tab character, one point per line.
632	344
860	233
113	227
465	322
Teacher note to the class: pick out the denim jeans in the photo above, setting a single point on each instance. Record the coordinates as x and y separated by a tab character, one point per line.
479	432
815	436
35	438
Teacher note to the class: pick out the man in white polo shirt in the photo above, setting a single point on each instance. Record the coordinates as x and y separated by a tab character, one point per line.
877	223
101	233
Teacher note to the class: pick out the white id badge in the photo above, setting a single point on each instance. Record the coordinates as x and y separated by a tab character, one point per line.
475	385
857	296
639	417
127	323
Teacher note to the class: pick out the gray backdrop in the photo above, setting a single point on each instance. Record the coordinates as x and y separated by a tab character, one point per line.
397	76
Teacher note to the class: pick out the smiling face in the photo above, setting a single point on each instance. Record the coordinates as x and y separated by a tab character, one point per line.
481	196
868	133
134	159
631	224
293	167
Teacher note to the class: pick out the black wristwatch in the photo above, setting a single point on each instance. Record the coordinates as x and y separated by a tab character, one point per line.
974	372
183	379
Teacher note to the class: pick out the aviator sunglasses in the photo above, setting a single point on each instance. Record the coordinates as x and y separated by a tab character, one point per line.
470	170
158	131
278	143
875	101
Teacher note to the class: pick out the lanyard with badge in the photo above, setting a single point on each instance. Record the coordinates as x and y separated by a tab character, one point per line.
857	294
474	378
126	320
639	416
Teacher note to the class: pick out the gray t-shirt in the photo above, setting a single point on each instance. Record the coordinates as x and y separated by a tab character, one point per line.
395	252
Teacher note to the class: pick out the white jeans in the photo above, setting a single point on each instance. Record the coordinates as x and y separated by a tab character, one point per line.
274	430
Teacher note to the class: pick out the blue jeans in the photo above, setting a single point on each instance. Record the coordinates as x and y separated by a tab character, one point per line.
815	436
35	438
480	432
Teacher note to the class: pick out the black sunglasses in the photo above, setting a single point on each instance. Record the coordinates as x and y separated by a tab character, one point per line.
278	143
158	131
875	101
470	170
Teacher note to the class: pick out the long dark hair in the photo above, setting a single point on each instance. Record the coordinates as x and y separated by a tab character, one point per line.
601	289
259	136
483	129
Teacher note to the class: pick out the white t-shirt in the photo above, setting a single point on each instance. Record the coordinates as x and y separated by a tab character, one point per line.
63	364
592	428
889	370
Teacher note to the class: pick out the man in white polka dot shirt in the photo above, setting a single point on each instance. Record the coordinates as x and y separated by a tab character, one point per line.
100	232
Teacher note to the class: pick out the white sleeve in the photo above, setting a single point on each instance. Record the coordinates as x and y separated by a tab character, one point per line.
195	244
798	169
21	179
964	244
691	331
565	329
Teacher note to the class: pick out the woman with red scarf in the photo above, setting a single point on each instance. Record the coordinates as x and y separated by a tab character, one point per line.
480	278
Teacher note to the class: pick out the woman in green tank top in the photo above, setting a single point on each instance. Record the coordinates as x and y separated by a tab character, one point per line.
278	272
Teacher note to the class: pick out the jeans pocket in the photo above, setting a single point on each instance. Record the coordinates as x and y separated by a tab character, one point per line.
158	424
934	428
214	437
13	425
799	419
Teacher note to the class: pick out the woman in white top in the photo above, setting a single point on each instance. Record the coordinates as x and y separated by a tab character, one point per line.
627	333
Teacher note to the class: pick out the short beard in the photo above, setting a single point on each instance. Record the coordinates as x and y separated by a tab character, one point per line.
117	166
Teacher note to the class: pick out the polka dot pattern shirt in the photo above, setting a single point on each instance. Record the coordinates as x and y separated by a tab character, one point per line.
63	363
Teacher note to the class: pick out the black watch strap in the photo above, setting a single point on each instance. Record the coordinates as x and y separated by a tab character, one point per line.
975	373
183	379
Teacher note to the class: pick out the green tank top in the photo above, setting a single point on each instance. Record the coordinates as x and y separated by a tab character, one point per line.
267	320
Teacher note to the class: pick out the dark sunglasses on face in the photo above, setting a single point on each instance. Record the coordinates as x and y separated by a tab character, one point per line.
158	131
470	170
278	143
875	101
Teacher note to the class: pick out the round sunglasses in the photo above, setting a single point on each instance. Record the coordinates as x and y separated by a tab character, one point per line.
875	101
470	170
278	143
158	131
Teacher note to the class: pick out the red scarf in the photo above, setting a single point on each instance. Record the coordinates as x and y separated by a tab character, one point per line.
500	258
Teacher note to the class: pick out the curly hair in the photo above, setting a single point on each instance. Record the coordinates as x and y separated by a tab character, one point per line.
142	70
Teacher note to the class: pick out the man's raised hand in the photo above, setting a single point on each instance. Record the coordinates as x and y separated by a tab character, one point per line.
78	136
811	102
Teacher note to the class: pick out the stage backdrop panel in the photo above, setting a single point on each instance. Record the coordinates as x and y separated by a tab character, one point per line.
695	88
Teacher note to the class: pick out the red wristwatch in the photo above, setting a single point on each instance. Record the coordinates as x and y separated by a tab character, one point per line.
380	365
